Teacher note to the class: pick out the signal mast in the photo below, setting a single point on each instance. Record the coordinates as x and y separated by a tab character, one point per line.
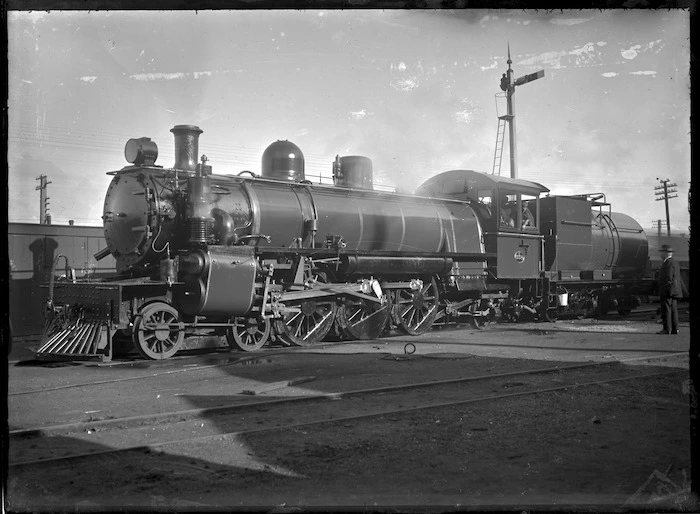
508	86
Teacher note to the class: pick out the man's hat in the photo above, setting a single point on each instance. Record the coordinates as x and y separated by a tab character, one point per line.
666	248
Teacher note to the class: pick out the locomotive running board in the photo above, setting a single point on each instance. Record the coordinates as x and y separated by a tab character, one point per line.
80	340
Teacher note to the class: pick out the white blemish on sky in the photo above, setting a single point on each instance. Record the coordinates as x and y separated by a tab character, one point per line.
610	74
465	116
652	73
88	79
358	115
630	53
405	85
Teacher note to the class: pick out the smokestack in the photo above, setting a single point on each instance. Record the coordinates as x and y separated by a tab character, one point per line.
186	146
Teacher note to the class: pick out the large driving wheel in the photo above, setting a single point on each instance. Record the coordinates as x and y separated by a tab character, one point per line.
306	322
362	319
416	307
158	332
248	334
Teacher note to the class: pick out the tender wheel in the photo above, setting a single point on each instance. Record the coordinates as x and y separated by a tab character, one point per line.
417	307
307	323
158	332
248	334
551	314
361	319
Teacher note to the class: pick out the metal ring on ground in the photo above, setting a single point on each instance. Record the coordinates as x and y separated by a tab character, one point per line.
411	350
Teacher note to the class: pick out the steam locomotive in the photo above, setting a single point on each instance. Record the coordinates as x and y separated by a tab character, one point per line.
274	257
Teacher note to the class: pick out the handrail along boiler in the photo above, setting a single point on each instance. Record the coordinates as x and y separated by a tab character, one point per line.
276	257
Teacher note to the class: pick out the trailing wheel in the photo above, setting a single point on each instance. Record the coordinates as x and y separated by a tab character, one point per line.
416	307
306	322
480	319
158	332
248	334
362	319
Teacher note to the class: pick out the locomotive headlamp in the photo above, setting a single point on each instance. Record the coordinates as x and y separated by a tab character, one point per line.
141	151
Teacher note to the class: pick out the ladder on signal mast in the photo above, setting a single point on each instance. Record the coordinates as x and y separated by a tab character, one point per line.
500	138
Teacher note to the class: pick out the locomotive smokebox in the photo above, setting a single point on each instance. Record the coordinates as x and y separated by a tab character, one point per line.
186	146
283	160
353	171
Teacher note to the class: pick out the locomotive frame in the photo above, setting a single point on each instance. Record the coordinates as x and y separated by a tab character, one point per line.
275	257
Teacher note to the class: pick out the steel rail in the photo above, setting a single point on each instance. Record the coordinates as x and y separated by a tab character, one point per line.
226	435
190	414
150	375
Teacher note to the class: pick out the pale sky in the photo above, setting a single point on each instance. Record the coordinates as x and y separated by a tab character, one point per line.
413	90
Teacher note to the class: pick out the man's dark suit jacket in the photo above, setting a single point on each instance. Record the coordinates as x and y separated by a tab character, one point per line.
670	279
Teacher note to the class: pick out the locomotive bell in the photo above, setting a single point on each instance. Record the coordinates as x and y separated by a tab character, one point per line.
186	146
283	160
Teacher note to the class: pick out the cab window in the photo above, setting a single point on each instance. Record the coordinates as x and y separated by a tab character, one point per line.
515	213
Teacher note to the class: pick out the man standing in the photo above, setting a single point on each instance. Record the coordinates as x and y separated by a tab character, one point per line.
669	290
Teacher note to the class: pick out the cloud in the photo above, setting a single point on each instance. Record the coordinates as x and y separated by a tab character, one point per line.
586	55
610	74
652	73
492	66
88	79
147	77
569	21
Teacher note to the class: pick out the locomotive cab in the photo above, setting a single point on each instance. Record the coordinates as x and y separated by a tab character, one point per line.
508	210
514	233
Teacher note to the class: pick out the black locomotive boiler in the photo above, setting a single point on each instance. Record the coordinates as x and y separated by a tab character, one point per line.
276	257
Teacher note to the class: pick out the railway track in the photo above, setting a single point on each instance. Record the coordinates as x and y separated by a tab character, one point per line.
271	352
156	432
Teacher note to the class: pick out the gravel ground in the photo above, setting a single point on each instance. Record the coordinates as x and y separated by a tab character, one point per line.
615	446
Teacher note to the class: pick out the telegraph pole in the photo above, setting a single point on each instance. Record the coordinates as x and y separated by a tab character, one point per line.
508	85
44	216
657	224
662	192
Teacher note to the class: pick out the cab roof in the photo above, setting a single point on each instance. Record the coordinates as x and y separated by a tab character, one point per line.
470	181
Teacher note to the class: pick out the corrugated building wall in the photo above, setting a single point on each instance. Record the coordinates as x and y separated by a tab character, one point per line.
32	249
